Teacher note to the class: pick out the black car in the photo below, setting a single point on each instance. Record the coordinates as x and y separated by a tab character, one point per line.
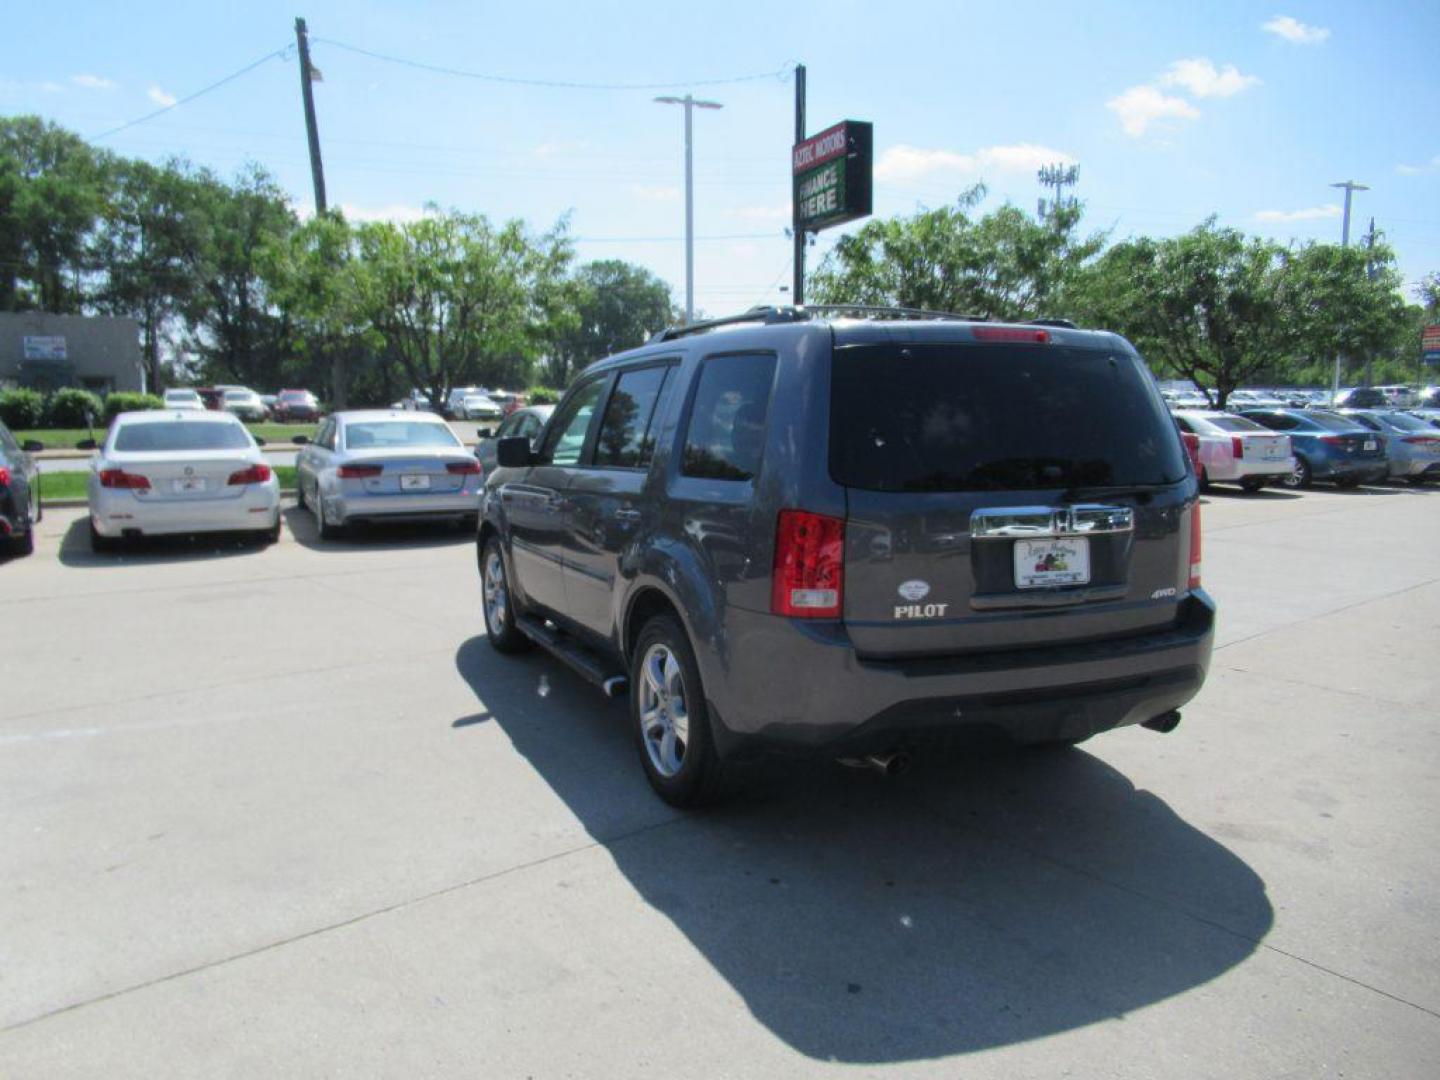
20	508
852	532
1362	397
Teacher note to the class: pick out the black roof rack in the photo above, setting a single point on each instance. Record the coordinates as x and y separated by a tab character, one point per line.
770	314
1063	324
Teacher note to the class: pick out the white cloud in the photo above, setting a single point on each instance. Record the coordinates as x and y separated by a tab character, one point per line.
1433	165
93	82
1021	157
1295	31
902	163
558	149
1141	106
1199	76
160	97
1314	213
52	87
655	192
396	212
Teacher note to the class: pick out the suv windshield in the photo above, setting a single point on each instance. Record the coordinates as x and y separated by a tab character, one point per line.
991	417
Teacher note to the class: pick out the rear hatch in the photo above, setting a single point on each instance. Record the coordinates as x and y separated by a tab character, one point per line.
1251	443
1003	495
183	460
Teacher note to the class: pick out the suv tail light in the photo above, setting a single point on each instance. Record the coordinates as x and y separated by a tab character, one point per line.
463	468
119	478
358	472
1237	446
256	474
4	476
809	578
1195	546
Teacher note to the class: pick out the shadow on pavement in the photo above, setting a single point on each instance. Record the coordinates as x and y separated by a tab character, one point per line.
1265	494
75	548
972	903
366	537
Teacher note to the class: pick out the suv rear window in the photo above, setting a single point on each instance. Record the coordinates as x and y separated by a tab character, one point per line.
996	417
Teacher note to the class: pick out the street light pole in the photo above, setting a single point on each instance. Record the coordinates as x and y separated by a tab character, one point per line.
1350	187
690	104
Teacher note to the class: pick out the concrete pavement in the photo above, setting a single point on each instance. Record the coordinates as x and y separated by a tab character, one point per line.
284	812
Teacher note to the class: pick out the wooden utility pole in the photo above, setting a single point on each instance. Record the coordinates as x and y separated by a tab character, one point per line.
307	74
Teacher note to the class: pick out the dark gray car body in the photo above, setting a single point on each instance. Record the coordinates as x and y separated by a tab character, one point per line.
600	550
20	495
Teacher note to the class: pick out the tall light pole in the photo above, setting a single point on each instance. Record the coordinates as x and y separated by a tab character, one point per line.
690	104
1350	187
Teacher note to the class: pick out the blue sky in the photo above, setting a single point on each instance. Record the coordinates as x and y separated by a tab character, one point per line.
1173	112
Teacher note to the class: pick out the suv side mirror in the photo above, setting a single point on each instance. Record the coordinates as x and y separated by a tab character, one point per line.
484	432
514	452
299	440
86	444
33	446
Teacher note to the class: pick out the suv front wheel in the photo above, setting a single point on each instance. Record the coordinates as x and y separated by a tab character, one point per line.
670	719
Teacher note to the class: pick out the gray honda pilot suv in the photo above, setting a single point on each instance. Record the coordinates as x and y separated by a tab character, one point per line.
850	531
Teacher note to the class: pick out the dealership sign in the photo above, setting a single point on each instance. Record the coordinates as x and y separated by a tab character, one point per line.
47	347
1430	344
831	176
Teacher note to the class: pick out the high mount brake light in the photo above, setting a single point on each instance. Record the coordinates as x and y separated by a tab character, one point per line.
358	472
1195	543
809	577
119	478
1013	334
256	474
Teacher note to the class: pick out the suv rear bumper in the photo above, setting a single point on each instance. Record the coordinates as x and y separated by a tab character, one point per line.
825	699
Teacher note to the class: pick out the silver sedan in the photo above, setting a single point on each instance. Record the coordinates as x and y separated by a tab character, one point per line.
386	465
166	472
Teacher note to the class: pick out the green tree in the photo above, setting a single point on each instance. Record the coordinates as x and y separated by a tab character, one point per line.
155	229
1002	265
1343	301
458	300
616	306
233	325
53	189
1210	305
311	276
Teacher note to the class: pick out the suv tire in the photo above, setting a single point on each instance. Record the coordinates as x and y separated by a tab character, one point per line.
669	716
497	604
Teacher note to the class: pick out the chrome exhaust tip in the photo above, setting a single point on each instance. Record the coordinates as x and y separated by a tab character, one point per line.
892	763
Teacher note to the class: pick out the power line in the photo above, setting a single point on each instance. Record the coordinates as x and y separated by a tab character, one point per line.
277	54
780	74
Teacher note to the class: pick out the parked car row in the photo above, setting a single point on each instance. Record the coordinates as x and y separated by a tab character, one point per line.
288	406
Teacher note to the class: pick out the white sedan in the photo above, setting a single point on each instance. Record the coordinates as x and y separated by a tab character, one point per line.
179	398
373	465
176	471
1234	450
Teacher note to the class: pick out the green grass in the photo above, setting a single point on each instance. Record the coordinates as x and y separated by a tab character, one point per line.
66	438
71	485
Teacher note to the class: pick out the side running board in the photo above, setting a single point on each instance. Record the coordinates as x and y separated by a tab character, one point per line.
585	662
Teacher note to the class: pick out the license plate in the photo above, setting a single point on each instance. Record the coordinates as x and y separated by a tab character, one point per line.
1041	563
1369	444
186	484
1274	452
414	482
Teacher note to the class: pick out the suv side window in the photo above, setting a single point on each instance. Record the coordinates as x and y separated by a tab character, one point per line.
566	439
626	440
726	431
